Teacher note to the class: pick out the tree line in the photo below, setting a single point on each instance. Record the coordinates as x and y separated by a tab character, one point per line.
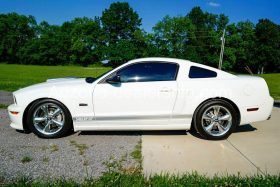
116	36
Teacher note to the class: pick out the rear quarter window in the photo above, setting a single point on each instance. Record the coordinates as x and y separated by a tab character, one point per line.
198	72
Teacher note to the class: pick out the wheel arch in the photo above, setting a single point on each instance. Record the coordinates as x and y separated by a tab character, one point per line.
217	98
24	118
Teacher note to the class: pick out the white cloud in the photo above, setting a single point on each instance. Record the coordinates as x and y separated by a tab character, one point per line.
213	4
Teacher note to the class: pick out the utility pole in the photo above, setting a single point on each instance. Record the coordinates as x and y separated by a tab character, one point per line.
222	50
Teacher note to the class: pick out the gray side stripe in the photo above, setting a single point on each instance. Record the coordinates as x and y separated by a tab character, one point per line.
182	116
110	118
143	117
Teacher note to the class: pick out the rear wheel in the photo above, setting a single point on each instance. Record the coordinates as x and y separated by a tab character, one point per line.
49	119
216	120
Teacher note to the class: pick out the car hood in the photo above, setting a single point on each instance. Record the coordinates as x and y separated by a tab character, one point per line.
61	89
51	83
64	79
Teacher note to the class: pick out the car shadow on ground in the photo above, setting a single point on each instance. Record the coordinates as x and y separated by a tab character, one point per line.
276	104
245	128
109	133
239	129
132	133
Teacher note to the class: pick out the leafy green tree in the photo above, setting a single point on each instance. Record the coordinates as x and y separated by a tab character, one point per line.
246	50
204	46
15	31
120	24
120	21
120	52
51	47
152	48
197	16
171	36
140	43
86	40
239	47
268	46
116	36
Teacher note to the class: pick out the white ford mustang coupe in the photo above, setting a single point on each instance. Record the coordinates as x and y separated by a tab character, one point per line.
144	94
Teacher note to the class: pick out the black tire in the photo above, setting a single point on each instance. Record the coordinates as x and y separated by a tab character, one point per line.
61	132
199	127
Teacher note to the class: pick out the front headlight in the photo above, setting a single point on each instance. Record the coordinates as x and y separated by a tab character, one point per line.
15	100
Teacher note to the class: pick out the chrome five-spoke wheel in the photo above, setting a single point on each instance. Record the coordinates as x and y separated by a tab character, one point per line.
216	120
48	118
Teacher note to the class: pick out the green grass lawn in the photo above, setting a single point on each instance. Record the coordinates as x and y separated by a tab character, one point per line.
139	180
13	77
273	81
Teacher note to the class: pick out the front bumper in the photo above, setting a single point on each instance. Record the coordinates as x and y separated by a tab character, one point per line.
16	119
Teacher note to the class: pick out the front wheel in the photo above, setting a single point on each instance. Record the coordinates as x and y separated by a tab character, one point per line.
216	120
49	119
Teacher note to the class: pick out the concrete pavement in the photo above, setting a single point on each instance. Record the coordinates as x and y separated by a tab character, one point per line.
253	149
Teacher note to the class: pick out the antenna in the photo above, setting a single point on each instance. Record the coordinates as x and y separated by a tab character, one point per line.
222	50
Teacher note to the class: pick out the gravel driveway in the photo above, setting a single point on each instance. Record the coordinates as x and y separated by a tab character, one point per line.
77	156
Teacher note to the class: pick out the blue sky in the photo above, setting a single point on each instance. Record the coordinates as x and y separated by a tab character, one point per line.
151	11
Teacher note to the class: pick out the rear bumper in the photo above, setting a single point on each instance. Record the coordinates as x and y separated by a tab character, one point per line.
263	112
16	119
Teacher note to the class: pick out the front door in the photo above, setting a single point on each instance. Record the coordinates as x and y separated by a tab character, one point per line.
147	90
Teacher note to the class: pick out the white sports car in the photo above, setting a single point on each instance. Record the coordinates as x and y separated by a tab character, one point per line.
144	94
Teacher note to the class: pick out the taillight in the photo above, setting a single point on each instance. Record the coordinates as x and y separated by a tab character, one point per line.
14	112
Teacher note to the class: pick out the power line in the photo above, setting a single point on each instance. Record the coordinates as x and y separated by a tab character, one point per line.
202	45
32	37
203	37
206	31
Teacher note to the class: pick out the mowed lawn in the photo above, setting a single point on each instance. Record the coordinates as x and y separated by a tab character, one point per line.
13	77
273	81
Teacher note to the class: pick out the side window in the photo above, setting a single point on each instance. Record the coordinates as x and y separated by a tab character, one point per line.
198	72
149	71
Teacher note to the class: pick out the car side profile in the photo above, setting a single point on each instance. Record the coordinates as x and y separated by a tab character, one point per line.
144	94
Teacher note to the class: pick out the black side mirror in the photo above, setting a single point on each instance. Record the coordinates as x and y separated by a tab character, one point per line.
114	80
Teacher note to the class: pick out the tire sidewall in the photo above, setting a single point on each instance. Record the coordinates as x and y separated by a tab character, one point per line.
67	124
198	124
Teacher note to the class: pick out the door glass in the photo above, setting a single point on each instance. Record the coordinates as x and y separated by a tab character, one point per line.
149	71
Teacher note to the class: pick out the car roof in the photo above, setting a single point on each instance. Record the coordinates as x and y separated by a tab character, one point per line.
159	59
179	61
